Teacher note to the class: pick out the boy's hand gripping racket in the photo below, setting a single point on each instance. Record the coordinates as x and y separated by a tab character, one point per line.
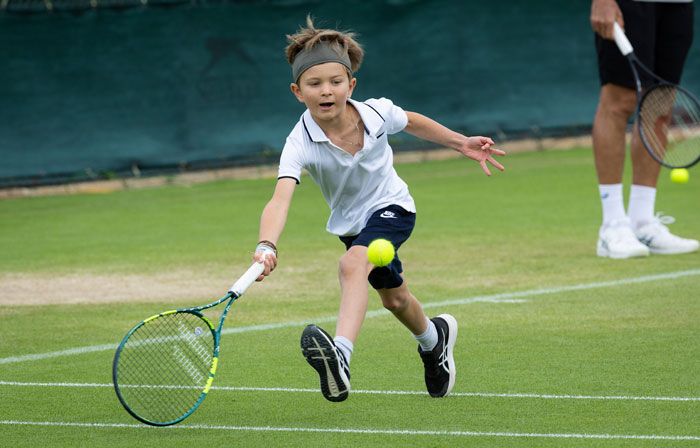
667	116
164	366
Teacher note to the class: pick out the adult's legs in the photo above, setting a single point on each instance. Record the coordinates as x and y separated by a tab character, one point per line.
615	107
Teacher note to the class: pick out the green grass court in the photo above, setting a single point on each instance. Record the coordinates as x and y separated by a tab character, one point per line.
556	348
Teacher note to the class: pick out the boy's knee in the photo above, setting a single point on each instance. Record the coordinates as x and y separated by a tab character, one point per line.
352	262
394	303
395	299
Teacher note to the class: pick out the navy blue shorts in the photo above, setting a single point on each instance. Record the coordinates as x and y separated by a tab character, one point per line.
392	223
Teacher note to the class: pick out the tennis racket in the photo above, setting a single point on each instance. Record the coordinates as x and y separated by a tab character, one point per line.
165	365
667	115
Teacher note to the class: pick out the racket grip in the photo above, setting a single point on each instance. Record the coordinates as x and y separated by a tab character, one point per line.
621	40
247	279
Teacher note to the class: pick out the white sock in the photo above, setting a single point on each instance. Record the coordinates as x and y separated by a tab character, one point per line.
613	205
429	339
641	208
344	345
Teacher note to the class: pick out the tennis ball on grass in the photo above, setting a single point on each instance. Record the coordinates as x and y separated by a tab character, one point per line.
680	175
380	252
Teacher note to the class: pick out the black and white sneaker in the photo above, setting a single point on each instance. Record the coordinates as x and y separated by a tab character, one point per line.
322	354
439	362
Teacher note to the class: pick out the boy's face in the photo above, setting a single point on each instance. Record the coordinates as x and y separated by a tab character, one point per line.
324	89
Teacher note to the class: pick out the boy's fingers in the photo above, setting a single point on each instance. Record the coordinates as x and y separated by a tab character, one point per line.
485	168
496	164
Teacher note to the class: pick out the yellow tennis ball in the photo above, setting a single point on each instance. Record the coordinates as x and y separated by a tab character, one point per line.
680	175
380	252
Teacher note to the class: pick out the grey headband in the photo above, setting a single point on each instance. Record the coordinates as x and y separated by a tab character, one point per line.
318	54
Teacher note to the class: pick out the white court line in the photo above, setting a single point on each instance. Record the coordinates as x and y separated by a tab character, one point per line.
246	329
507	297
382	392
390	432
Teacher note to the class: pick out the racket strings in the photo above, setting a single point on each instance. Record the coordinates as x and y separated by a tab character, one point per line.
161	385
164	366
669	121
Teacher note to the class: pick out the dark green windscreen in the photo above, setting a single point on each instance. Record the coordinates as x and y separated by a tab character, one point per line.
94	92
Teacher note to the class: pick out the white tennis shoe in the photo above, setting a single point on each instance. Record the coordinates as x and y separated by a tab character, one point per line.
617	240
656	236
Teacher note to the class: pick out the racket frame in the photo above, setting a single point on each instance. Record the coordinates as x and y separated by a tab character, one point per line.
627	51
235	292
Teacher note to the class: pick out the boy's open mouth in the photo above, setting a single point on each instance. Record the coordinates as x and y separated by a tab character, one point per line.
327	104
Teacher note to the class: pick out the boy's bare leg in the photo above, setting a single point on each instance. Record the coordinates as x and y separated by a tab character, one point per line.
352	273
404	305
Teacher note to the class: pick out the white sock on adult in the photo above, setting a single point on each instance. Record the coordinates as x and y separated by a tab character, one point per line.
611	200
429	339
345	345
641	208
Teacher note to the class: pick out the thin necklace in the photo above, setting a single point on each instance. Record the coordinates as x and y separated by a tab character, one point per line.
358	140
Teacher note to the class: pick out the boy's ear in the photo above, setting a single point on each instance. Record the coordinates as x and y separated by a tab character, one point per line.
296	91
353	83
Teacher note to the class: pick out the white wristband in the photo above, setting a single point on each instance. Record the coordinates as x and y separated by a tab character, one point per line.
265	249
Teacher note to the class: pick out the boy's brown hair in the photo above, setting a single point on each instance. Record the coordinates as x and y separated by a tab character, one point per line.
341	41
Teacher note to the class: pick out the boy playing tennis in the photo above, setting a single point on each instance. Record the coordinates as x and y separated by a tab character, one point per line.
343	145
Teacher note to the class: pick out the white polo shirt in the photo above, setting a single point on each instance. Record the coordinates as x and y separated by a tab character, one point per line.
354	186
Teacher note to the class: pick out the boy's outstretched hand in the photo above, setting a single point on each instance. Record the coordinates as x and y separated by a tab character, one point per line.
481	149
476	148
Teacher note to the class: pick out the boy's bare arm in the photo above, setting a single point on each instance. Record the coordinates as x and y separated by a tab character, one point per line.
428	129
273	220
477	148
